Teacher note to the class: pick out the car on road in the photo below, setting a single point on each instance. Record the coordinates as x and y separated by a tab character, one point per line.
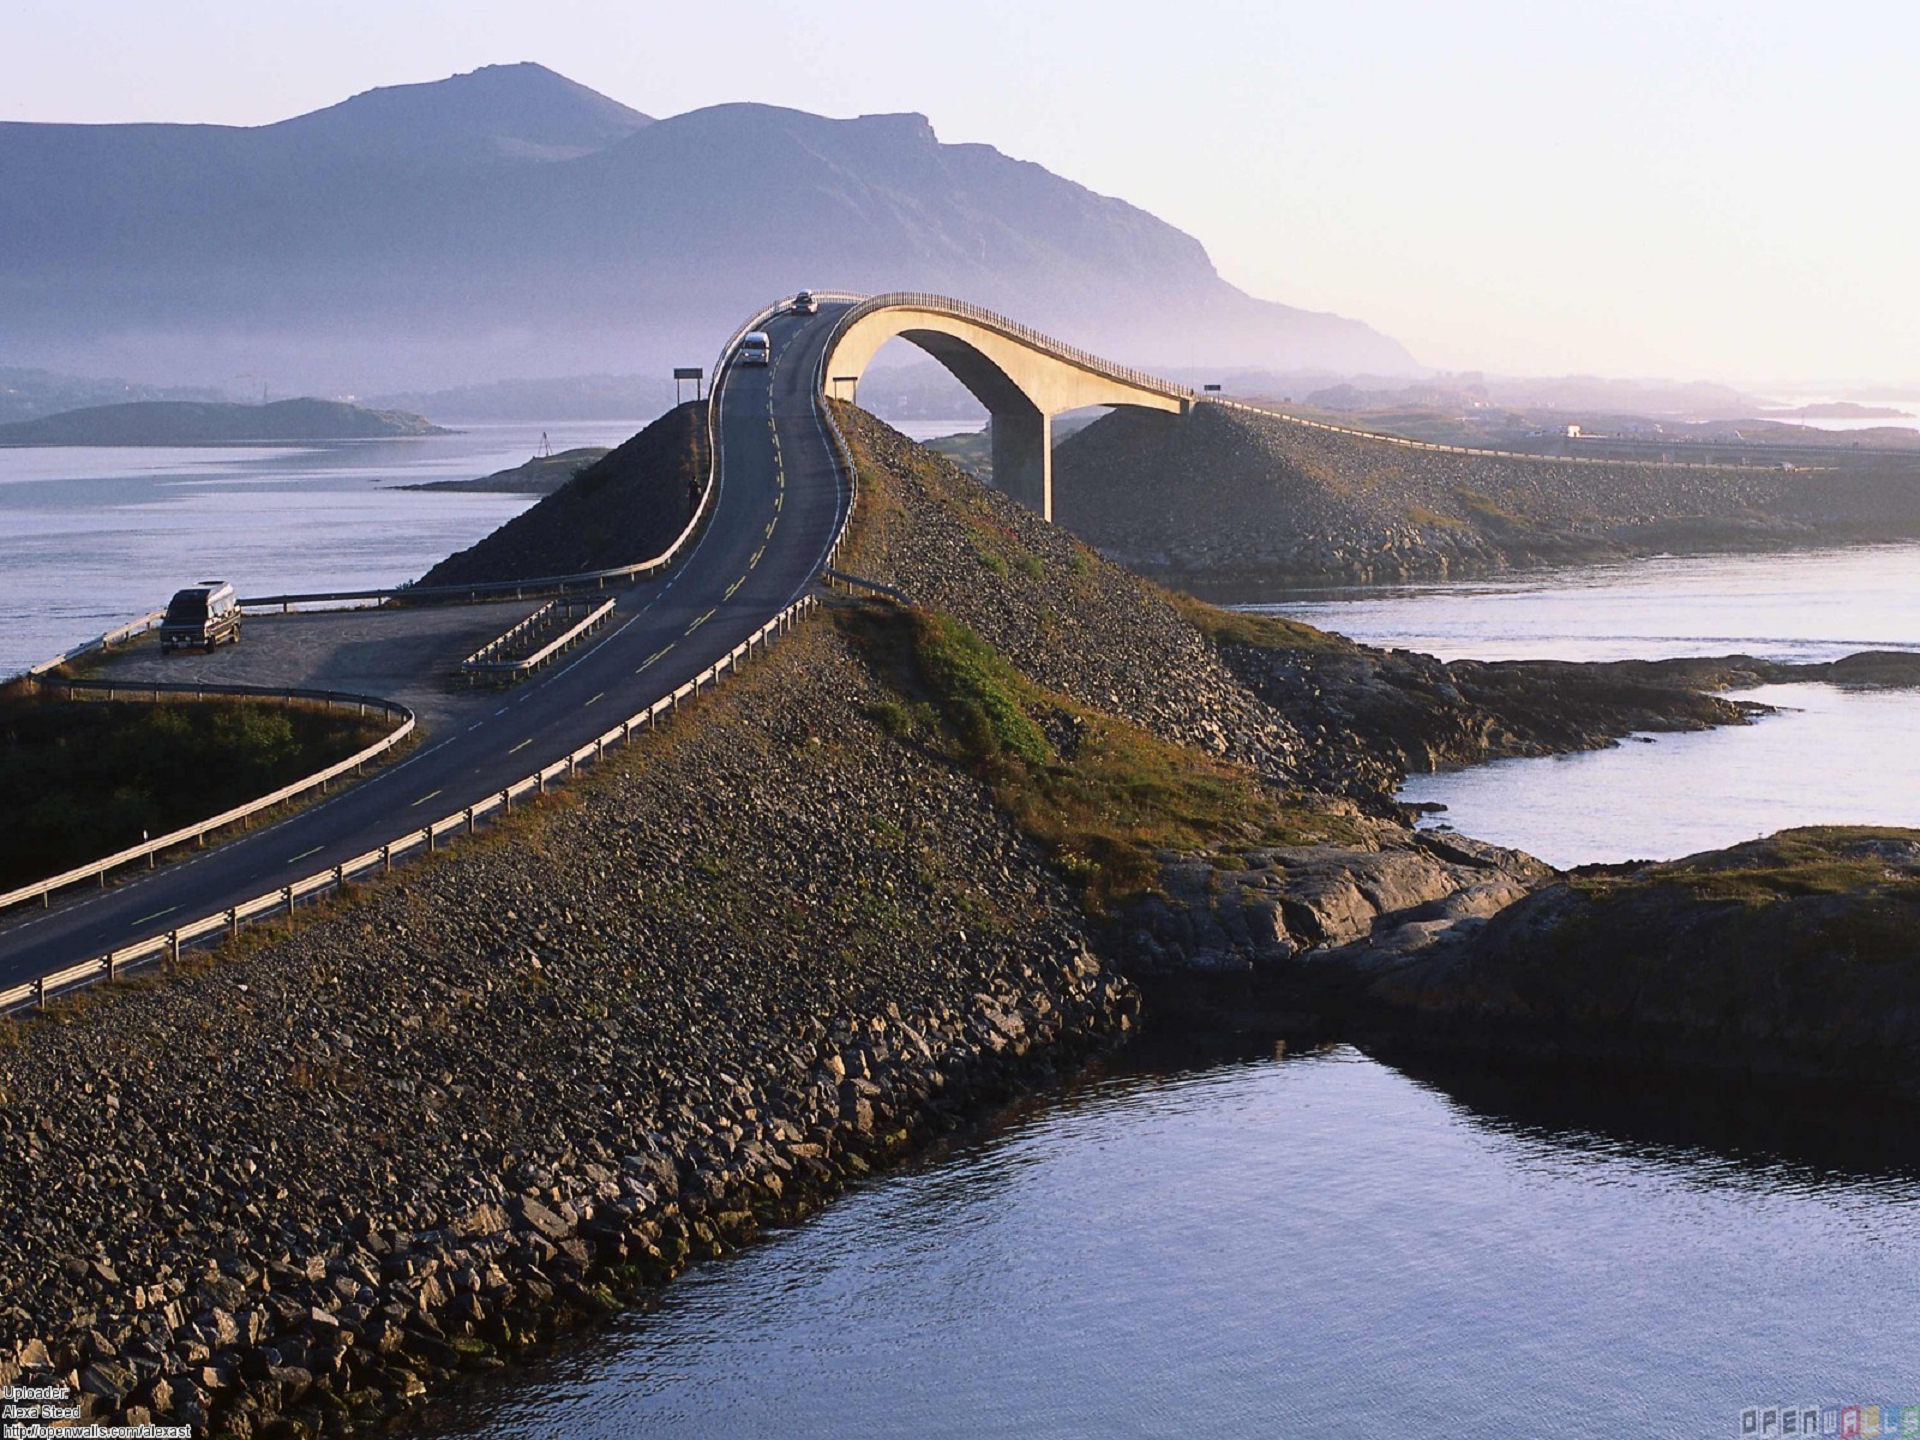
756	348
201	617
805	304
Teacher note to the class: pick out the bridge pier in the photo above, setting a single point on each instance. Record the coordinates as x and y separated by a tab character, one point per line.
1023	456
1022	378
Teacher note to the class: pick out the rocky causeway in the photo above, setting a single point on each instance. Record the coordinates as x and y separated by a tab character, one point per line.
841	906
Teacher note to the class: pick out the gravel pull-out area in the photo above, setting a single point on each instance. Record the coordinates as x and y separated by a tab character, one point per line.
411	654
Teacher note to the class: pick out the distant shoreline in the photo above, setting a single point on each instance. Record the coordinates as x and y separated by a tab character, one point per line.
149	423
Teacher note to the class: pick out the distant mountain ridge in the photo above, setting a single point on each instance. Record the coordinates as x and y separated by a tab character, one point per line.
512	222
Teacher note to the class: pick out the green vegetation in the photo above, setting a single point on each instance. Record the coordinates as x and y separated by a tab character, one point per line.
1266	632
1101	794
977	693
1421	515
80	779
1812	860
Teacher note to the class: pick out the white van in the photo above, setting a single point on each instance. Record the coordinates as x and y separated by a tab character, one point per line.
756	348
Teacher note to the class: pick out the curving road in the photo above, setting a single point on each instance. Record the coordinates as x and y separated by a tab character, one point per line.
776	511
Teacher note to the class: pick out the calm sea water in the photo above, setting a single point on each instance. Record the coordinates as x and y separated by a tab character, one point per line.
92	536
1315	1247
1829	756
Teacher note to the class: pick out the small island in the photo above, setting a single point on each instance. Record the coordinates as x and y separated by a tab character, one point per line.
193	422
541	475
1837	410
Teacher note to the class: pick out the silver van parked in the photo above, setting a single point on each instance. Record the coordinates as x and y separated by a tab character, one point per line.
201	617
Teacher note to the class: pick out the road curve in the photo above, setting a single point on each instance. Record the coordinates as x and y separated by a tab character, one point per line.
777	509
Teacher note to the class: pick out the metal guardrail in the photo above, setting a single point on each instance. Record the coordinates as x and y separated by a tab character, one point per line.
139	625
485	661
1408	443
42	890
853	584
283	901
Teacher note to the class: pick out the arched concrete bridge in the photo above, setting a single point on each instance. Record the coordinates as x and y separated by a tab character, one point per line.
1023	378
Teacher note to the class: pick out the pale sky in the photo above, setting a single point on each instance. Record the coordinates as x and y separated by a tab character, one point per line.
1714	190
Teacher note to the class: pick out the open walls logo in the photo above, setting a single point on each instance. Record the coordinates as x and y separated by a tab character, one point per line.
1850	1422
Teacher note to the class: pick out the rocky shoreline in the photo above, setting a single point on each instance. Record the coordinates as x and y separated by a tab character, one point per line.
1790	960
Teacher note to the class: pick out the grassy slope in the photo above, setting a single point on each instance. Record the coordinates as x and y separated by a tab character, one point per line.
1092	701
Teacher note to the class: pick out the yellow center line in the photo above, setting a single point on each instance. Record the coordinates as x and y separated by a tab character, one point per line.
756	557
651	659
779	500
521	746
733	587
423	800
701	621
770	524
594	698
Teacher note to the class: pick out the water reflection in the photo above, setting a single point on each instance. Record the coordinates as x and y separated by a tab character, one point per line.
1317	1246
1709	1130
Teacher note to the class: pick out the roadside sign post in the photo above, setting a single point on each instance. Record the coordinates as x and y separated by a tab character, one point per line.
681	375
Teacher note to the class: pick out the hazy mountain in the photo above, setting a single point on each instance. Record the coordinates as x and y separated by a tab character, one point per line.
511	222
26	393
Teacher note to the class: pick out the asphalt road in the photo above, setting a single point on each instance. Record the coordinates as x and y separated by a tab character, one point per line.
778	507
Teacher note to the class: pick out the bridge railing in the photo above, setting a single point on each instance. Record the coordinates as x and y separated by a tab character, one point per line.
1013	329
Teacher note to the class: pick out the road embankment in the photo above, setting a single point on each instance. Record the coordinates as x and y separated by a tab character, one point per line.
1233	502
621	509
